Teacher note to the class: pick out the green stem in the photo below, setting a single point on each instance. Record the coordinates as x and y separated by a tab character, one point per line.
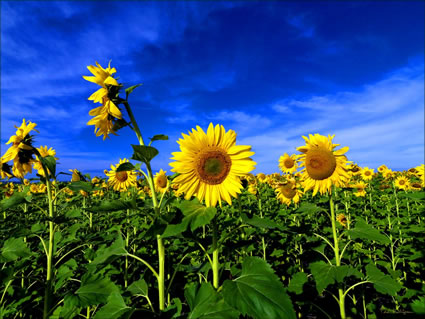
341	300
161	274
215	263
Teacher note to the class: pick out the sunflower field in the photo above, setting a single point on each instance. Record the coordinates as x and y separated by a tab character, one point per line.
323	238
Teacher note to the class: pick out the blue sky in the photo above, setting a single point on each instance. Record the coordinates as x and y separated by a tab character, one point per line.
271	71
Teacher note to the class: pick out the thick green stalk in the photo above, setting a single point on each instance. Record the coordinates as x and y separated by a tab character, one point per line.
337	258
161	273
215	263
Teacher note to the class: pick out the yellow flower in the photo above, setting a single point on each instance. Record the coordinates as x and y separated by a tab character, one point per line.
402	182
21	150
355	169
43	153
288	192
252	188
288	163
388	174
382	169
360	189
367	173
76	175
103	125
161	181
5	171
342	219
33	188
261	177
323	167
211	164
121	181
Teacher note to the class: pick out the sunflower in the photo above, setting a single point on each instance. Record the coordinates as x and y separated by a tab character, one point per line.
323	167
121	181
360	189
43	153
415	186
355	169
367	173
103	123
261	177
211	164
342	219
288	192
402	182
382	169
288	163
161	181
21	151
5	171
76	175
388	174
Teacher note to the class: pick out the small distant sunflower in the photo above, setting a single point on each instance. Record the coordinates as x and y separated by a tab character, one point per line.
355	169
402	182
415	186
367	173
43	153
288	193
161	181
342	219
34	188
388	174
121	181
211	164
261	177
21	151
382	168
252	188
76	175
323	167
288	164
360	189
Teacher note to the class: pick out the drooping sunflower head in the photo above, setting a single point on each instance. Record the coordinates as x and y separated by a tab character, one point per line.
211	164
342	219
323	167
360	188
261	177
5	171
367	173
288	192
43	151
76	175
402	182
122	180
288	164
161	182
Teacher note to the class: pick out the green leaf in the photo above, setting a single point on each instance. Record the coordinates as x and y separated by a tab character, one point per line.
80	185
362	230
114	309
129	90
206	303
175	229
258	292
415	196
297	282
159	137
138	288
382	283
308	208
14	200
418	306
325	274
95	289
50	163
14	248
144	153
113	205
106	255
125	167
195	213
260	222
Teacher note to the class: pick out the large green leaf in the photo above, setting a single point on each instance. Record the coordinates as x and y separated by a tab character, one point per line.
195	213
95	289
260	222
50	163
80	185
365	231
383	283
308	208
125	167
206	303
418	306
138	288
144	153
175	229
14	248
14	200
258	292
106	255
325	274
113	205
114	309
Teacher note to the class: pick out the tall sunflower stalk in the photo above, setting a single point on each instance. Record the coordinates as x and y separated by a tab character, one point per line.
107	119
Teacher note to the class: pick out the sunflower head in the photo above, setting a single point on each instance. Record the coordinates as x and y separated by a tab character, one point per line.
161	182
76	175
367	173
122	180
323	167
402	182
382	168
287	192
211	164
288	164
342	219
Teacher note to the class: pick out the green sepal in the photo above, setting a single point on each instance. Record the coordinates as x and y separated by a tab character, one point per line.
129	90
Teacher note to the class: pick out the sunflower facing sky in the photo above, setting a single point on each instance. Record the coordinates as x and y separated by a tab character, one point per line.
21	151
108	111
121	181
323	167
288	163
210	165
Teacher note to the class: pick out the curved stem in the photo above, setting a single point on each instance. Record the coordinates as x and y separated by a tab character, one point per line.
355	285
145	263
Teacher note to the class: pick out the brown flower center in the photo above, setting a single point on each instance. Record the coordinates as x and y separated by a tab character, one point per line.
289	163
121	176
367	173
213	166
401	182
320	163
288	190
162	181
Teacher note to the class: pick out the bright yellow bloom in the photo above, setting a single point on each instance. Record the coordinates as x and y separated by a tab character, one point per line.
76	175
367	173
388	174
43	153
342	219
288	192
288	163
121	181
402	182
360	189
323	167
382	169
261	177
211	164
161	181
33	188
